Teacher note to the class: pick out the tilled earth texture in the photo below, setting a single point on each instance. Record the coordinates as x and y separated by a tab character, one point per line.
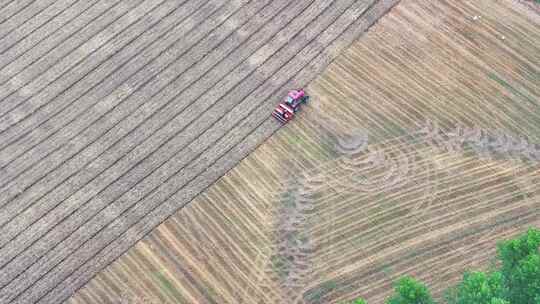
419	150
116	113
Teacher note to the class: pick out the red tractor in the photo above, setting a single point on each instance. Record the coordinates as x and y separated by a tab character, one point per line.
284	112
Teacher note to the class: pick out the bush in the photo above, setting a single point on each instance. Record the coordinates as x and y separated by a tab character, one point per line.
477	288
521	268
409	291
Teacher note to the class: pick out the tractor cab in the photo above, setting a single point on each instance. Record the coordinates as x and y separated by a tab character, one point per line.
285	111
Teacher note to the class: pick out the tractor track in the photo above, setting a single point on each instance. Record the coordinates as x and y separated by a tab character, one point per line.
162	119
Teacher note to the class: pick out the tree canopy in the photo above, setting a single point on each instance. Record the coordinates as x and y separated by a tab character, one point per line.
410	291
478	288
521	268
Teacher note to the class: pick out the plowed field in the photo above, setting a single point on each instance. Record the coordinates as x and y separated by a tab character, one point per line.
419	150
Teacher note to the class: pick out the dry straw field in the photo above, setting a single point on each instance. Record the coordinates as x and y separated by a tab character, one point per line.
420	149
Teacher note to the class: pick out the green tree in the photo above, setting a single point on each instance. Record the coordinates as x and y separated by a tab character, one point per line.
410	291
525	280
357	301
478	288
521	268
511	252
